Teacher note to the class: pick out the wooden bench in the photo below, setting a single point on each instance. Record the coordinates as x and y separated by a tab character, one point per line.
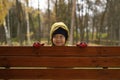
60	63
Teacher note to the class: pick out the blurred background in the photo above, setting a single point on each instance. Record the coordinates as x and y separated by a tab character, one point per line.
23	22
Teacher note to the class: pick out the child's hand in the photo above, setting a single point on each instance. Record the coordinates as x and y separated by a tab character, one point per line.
37	44
82	44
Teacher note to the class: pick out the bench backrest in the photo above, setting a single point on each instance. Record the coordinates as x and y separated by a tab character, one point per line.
102	63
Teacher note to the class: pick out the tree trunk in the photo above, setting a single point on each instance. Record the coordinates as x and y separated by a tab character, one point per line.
7	33
72	22
28	28
39	33
49	19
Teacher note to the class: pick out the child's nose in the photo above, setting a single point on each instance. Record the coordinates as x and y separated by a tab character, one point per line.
58	38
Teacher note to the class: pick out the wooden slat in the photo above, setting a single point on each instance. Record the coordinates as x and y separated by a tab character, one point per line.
110	51
16	50
60	74
43	51
29	61
60	51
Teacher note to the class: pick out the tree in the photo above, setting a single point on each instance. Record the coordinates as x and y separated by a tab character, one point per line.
72	22
27	21
4	8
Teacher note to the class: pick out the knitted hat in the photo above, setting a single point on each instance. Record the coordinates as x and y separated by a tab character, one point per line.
59	28
61	31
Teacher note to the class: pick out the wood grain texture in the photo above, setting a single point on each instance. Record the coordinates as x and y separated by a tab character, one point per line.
60	62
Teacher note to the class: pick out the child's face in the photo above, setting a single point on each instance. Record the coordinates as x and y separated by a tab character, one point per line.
59	40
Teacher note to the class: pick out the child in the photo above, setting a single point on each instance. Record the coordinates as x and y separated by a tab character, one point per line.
59	34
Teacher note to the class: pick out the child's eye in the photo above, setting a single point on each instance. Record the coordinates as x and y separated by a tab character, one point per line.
58	36
61	36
